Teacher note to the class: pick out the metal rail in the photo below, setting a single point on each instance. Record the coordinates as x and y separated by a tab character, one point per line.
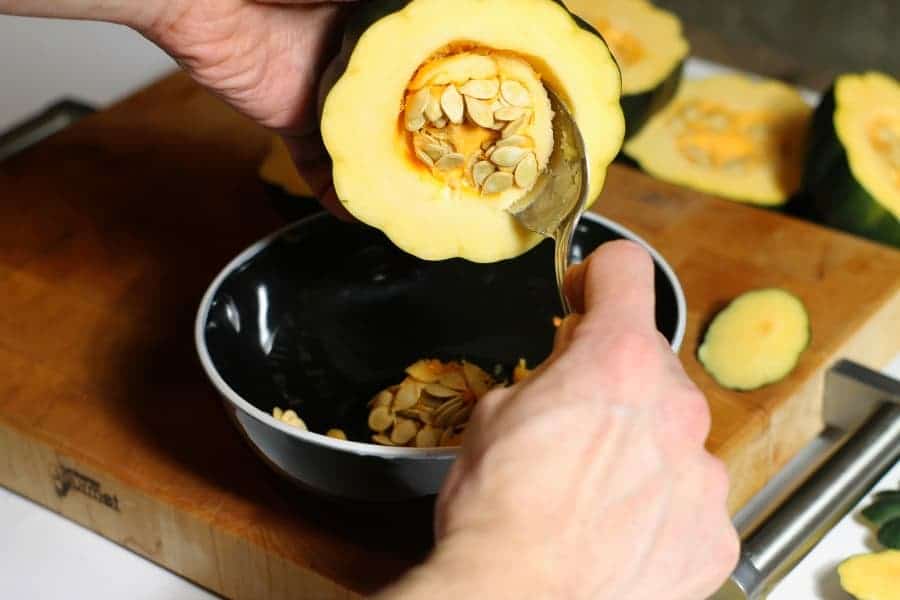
862	412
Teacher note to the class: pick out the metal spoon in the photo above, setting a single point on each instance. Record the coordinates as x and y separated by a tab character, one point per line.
556	202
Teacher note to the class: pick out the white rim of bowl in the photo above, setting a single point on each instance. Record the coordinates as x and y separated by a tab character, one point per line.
361	448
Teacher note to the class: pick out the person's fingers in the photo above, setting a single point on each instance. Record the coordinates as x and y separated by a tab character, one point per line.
616	286
313	33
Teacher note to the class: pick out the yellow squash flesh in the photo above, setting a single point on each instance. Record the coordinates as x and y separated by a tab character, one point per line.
375	174
646	41
874	576
728	135
867	122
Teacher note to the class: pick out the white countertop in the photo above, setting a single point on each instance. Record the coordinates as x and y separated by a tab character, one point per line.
44	556
45	60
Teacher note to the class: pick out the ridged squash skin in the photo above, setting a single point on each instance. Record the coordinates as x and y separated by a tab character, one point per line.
385	44
651	78
836	164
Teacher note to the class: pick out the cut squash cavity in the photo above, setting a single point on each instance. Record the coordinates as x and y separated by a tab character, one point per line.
728	135
480	121
437	117
756	340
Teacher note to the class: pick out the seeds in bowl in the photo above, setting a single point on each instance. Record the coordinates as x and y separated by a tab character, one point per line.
291	417
431	407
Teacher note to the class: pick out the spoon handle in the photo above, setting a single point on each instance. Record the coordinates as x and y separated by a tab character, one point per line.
563	241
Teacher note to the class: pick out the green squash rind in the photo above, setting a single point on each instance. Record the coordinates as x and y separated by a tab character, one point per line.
638	108
889	534
888	495
881	511
836	198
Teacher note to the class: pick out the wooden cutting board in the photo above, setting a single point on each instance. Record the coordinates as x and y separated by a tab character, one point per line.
111	231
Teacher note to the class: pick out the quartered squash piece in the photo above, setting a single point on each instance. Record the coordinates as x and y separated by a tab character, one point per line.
756	340
431	406
853	163
874	576
439	119
728	135
647	43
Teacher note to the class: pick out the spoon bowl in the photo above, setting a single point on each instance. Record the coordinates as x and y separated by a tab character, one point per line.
555	204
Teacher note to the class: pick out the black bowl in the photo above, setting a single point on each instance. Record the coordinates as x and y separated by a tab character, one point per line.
322	314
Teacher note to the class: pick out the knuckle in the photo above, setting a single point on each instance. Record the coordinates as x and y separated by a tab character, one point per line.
488	405
634	351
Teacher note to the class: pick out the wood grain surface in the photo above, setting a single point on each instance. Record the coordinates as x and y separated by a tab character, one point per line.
111	231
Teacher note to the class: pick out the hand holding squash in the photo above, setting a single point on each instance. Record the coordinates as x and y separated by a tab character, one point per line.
263	58
590	478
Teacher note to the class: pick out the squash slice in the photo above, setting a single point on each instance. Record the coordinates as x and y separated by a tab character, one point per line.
756	340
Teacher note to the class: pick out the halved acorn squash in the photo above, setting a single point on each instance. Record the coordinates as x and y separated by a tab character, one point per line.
648	44
853	162
438	119
728	135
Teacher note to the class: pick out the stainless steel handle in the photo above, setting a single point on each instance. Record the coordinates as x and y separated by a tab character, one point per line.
865	406
50	121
